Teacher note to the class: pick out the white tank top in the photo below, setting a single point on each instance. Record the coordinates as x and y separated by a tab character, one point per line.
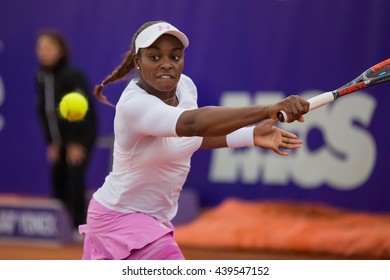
151	162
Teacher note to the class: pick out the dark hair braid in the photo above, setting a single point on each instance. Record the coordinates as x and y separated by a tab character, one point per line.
121	71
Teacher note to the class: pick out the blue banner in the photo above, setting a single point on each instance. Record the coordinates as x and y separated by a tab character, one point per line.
241	53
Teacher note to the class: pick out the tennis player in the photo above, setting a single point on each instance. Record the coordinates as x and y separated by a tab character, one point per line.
158	126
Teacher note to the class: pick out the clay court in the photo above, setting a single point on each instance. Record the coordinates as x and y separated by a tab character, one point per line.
74	252
234	230
260	231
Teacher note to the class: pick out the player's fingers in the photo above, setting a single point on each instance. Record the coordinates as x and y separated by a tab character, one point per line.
298	107
290	146
291	143
301	104
286	134
305	104
280	152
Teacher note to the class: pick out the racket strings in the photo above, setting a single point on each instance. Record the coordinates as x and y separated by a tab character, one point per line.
383	72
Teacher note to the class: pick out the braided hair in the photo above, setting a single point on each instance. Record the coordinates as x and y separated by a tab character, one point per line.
122	70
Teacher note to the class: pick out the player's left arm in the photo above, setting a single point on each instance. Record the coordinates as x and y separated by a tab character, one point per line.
265	135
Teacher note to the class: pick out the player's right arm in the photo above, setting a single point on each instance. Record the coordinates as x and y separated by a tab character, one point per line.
219	121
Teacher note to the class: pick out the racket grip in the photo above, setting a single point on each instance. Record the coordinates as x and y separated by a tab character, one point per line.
315	102
282	116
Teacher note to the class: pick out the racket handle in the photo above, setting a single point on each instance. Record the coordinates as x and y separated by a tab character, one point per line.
282	116
315	102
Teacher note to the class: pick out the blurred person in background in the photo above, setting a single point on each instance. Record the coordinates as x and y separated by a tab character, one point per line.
69	144
158	126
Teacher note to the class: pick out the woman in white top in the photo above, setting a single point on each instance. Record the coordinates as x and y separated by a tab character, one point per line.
158	126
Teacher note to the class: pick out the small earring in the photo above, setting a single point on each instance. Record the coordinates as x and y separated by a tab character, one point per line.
137	67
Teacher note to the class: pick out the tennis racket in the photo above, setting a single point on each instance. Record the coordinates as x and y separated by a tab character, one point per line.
377	74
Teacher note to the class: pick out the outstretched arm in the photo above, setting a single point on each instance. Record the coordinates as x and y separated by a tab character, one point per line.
220	121
266	135
214	142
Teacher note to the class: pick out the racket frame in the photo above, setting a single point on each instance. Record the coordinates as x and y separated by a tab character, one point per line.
359	83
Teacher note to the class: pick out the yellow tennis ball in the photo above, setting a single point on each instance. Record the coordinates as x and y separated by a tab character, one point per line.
73	106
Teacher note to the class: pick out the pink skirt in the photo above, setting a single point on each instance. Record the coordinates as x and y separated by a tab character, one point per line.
113	235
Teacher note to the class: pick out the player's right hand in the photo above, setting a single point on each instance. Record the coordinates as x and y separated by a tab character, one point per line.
294	106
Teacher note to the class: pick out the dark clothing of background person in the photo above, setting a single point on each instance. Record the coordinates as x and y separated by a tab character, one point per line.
68	180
